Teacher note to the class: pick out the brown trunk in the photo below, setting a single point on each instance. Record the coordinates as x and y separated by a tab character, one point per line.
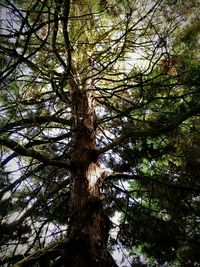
88	225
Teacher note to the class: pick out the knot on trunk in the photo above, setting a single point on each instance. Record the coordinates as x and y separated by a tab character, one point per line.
82	158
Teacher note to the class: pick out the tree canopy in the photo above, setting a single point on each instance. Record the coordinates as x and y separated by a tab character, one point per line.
100	133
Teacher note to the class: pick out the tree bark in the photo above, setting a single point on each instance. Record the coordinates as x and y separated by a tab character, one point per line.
88	225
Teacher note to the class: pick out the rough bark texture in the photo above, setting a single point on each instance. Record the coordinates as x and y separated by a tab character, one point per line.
88	225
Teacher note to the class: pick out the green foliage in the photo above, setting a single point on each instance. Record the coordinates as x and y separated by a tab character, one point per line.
162	221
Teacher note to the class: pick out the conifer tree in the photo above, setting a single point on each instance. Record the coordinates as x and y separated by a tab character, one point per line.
99	124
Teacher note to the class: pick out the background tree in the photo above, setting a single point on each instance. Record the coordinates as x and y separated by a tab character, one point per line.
99	114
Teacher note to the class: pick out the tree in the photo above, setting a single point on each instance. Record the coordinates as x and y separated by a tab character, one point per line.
99	113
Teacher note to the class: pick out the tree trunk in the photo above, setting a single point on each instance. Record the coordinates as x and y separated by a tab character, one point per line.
88	225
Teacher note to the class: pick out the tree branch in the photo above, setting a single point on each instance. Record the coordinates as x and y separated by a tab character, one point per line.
36	143
22	151
52	251
37	120
117	176
165	126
